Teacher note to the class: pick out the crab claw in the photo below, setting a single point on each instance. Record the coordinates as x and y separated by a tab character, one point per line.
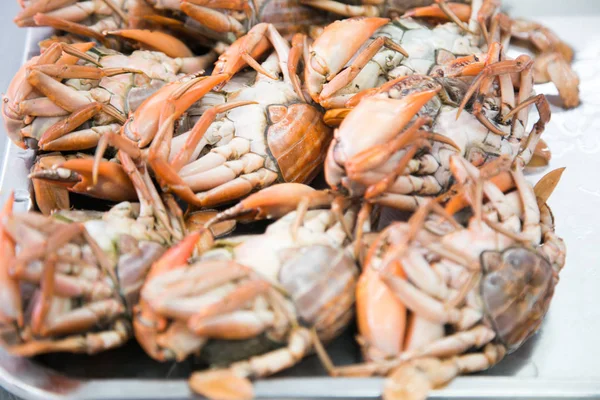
247	49
221	384
76	175
271	202
330	52
144	123
147	325
49	197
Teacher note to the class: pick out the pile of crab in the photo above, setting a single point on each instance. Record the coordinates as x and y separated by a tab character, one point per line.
421	112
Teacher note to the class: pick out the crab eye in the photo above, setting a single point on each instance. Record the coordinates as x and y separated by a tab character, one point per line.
276	113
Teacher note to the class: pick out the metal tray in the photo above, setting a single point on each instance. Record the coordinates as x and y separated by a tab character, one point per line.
561	362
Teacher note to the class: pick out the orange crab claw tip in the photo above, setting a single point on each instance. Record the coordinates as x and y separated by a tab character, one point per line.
221	385
419	99
176	255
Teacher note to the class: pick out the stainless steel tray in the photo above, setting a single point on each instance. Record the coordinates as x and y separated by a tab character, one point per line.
561	361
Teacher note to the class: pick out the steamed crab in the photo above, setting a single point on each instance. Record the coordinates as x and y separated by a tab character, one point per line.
457	295
70	95
71	279
397	165
335	70
261	293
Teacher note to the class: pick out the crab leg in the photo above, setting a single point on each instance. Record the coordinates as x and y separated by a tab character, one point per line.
541	103
348	74
63	96
501	68
455	12
81	71
199	129
171	295
10	307
156	40
233	301
233	382
180	95
83	318
90	343
62	24
522	63
484	14
531	212
470	65
417	378
69	124
342	9
41	6
60	54
299	44
213	19
274	201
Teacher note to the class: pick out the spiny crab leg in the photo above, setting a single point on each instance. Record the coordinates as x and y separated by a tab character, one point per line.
541	103
500	68
469	65
483	82
342	79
